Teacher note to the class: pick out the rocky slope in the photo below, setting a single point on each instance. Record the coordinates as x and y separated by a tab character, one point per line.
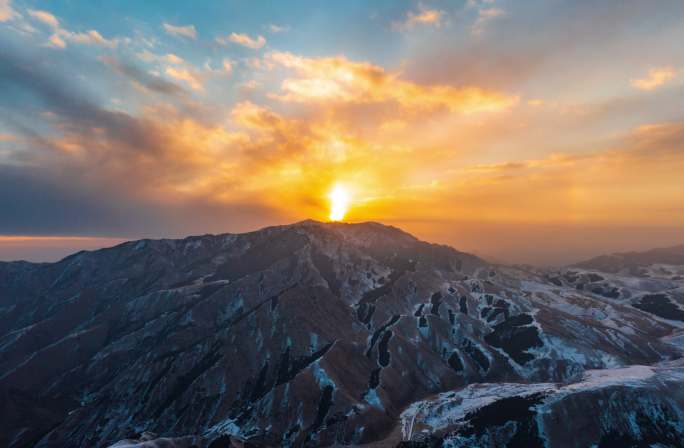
319	334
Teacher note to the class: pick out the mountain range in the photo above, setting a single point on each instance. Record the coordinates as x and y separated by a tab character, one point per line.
336	334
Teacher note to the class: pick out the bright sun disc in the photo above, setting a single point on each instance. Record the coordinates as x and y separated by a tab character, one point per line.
339	203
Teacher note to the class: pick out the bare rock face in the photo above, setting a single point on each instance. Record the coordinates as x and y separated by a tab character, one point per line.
318	334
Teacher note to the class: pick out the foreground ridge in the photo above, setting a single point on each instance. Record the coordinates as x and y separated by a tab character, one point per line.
315	334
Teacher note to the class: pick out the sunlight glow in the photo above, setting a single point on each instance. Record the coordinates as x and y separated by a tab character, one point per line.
339	203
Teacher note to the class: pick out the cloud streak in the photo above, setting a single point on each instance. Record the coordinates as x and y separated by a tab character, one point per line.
44	17
142	78
244	40
424	16
655	78
186	31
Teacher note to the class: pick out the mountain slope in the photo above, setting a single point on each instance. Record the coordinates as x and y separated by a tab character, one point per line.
302	335
635	263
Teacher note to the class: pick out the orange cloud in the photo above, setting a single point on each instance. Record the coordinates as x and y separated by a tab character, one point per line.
170	58
424	16
44	17
187	76
6	11
244	40
56	41
337	79
251	115
91	37
656	77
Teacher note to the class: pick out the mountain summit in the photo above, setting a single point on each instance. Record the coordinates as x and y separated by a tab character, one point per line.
315	334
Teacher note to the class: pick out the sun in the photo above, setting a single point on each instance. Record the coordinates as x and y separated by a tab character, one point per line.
339	202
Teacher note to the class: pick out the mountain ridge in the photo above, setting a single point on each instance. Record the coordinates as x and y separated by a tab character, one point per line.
315	334
600	261
632	260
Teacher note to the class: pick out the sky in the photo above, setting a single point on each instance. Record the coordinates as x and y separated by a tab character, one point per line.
525	131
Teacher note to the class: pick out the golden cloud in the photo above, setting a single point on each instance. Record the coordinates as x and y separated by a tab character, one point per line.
187	76
337	79
244	40
656	77
424	16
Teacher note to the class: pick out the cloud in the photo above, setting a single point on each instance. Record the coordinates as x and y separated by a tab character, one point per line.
61	35
142	78
196	77
187	31
244	40
6	11
174	67
337	79
254	116
44	17
227	65
382	129
183	74
423	16
169	58
656	77
657	139
478	3
56	41
73	204
7	137
604	185
275	29
91	37
174	164
484	16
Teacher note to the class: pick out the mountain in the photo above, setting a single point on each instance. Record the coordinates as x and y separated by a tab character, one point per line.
637	263
316	334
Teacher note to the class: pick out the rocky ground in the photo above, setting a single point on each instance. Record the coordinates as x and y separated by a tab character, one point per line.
321	334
